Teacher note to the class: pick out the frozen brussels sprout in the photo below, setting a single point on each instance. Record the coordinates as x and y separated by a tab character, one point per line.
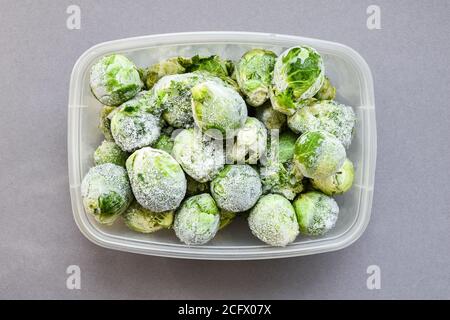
165	143
326	115
200	156
327	91
316	213
249	144
139	219
212	64
318	154
174	65
236	188
281	178
272	119
194	187
254	75
115	79
106	192
109	152
197	220
105	122
286	146
218	110
298	75
136	123
273	220
157	180
226	217
337	183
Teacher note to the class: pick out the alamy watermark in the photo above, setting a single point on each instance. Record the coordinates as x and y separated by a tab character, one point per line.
73	281
374	280
73	21
374	18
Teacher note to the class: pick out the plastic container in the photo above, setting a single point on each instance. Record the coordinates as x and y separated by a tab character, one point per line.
347	70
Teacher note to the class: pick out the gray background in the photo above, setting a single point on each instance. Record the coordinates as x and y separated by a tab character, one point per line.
408	236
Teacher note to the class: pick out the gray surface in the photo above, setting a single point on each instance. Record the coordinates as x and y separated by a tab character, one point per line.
408	236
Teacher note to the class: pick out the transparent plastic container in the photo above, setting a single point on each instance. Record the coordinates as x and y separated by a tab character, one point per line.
346	69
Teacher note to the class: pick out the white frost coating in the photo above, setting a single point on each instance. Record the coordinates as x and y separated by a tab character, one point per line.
102	181
236	188
157	180
337	119
273	220
200	156
271	118
197	221
250	142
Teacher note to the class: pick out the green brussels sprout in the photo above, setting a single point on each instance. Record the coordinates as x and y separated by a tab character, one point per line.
212	64
157	180
106	192
337	183
273	220
327	91
298	75
254	75
105	122
330	116
249	144
194	187
139	219
236	188
226	217
197	220
114	79
286	146
170	66
218	110
316	213
164	142
109	152
318	154
281	178
200	156
272	119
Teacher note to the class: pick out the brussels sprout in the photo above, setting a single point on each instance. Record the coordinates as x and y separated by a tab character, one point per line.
236	188
318	154
316	213
218	110
212	64
194	187
226	217
330	116
298	75
281	178
106	192
254	75
337	183
200	156
170	66
272	119
273	220
197	220
114	79
286	146
157	180
164	142
109	152
105	122
250	143
327	91
139	219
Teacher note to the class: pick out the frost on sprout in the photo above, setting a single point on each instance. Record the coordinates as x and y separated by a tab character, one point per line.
140	219
218	107
170	66
298	75
114	79
236	188
249	144
106	192
136	123
273	220
272	119
200	156
329	116
109	152
197	220
318	154
338	183
316	212
157	180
